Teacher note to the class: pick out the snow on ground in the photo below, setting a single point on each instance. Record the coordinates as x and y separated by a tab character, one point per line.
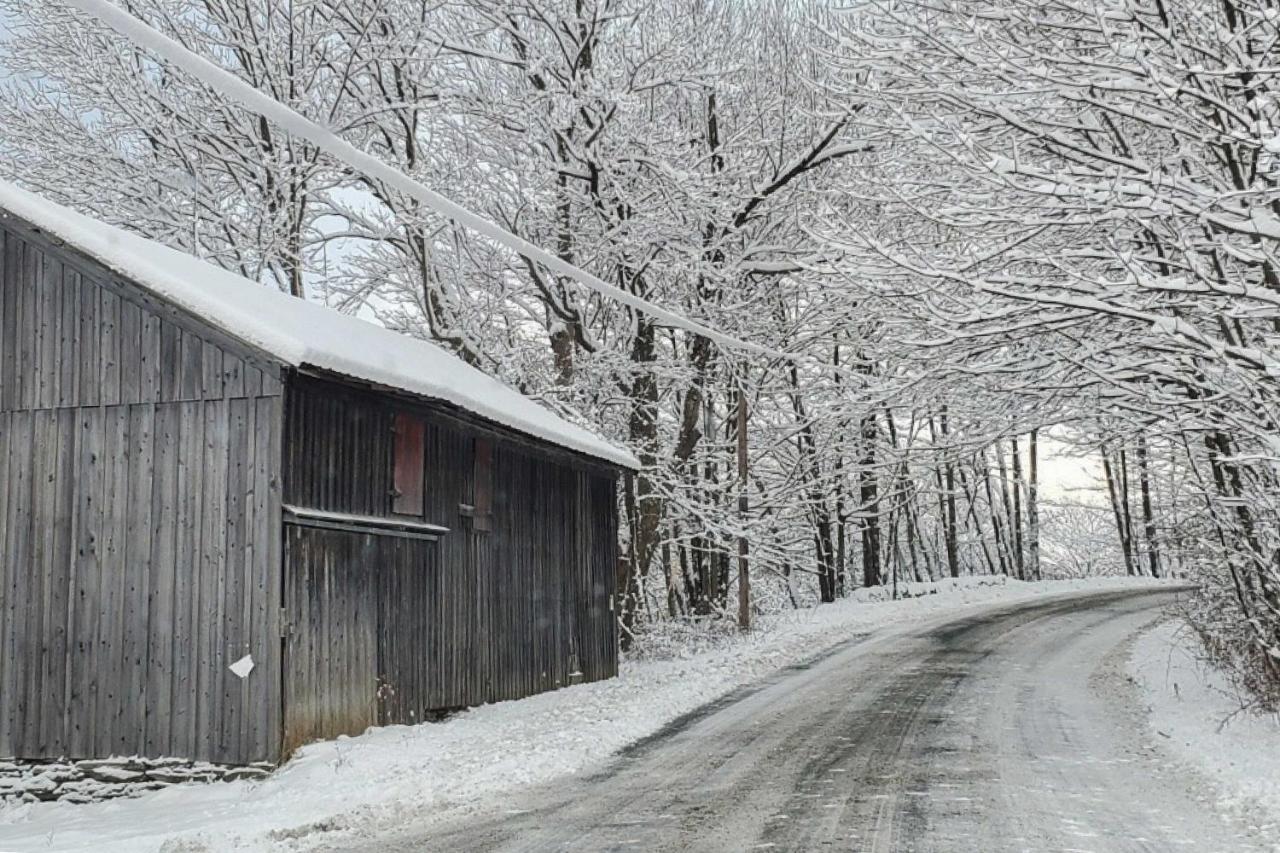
1197	717
436	771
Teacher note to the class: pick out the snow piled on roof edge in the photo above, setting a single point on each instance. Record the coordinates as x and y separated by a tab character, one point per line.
299	332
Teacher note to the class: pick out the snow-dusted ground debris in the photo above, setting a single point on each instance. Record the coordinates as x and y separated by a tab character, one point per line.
1197	717
442	770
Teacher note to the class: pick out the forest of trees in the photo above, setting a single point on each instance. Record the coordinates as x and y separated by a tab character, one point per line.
972	228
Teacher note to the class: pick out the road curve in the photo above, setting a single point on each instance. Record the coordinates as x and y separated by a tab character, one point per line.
1015	730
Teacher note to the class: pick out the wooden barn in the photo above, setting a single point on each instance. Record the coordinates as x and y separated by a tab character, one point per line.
233	522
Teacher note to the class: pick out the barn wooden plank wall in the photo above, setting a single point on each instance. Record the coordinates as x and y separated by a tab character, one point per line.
472	618
139	522
79	337
359	653
141	454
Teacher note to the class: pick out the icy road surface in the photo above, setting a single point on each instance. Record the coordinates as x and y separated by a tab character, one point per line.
1013	731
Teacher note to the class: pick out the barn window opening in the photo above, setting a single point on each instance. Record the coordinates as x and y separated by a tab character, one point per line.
483	511
408	465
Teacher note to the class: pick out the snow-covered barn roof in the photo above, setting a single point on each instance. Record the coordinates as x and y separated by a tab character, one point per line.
301	333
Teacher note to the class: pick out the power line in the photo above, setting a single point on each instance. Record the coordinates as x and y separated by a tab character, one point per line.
143	35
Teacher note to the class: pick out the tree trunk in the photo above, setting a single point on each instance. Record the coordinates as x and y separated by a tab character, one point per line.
562	347
644	500
686	573
902	479
1019	555
949	500
971	518
668	570
842	517
1002	551
717	559
744	578
818	509
869	498
1126	502
625	580
1033	506
1148	517
1125	544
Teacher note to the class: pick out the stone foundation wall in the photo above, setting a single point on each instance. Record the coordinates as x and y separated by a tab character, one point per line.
92	780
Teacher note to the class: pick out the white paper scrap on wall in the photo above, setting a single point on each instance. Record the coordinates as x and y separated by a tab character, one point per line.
243	667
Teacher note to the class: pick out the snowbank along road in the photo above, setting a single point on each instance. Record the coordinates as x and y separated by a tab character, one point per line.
1013	730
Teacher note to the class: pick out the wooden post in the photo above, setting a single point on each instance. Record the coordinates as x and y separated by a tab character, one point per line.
744	575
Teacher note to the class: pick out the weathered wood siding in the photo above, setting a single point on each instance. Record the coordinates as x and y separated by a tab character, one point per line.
78	336
139	521
358	654
478	616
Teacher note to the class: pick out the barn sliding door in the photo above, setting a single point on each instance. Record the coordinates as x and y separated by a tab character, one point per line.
357	644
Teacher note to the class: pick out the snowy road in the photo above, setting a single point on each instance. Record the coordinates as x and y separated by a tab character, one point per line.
1014	730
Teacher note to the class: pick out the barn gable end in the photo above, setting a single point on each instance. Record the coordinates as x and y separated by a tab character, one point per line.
139	523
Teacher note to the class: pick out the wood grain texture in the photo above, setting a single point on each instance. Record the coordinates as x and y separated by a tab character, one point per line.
139	523
77	335
146	458
388	630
